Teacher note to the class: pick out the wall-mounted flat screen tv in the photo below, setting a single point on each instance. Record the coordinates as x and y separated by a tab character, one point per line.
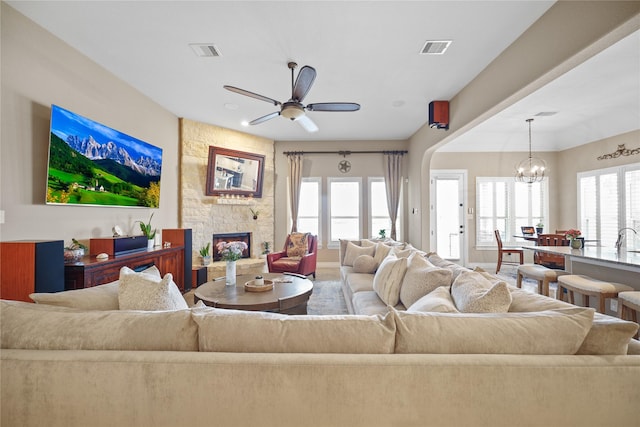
92	164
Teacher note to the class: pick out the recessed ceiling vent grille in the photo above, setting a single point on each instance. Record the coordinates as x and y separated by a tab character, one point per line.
435	47
205	50
546	113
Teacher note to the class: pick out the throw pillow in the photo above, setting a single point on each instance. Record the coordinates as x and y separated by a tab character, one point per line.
381	253
298	245
366	243
544	332
439	301
421	278
354	251
364	264
473	293
260	332
456	269
402	253
45	327
101	297
141	291
388	279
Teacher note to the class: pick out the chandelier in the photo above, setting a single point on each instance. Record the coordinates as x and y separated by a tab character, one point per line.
531	169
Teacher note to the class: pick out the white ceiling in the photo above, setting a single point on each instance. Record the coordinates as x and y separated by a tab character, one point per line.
364	51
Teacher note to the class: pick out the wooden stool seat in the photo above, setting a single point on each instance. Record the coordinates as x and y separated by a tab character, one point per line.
629	302
589	287
539	273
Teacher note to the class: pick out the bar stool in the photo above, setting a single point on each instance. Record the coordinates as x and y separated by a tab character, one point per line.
589	287
629	302
539	273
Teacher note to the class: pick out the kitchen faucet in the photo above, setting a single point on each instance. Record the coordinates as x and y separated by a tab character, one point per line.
621	237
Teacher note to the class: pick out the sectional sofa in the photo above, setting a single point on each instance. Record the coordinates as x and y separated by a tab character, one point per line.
77	359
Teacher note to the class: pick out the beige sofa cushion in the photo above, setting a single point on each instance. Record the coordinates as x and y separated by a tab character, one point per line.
142	291
44	327
421	278
388	279
456	269
382	251
369	304
101	297
365	264
439	301
259	332
473	293
546	332
354	251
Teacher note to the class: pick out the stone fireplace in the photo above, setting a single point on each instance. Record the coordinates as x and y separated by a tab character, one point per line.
232	237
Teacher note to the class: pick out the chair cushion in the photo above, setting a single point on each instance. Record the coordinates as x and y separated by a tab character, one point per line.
286	264
421	278
298	245
589	284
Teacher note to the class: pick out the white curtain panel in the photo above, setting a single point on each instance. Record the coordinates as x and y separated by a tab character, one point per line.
393	180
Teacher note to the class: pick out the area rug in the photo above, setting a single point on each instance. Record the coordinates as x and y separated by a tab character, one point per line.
327	298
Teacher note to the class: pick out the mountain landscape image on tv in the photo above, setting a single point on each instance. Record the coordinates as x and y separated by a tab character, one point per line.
92	164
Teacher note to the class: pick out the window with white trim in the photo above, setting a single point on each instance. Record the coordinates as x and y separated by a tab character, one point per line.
345	210
309	207
506	205
609	200
379	218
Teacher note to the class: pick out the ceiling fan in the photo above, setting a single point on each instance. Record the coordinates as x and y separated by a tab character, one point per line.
293	109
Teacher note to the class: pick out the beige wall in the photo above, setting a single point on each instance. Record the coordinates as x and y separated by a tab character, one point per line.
39	70
203	214
584	29
326	165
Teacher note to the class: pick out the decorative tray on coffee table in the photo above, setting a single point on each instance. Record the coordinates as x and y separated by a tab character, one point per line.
251	286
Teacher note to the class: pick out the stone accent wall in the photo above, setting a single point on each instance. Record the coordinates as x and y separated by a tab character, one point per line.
203	214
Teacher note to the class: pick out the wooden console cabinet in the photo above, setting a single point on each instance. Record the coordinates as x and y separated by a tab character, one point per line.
92	272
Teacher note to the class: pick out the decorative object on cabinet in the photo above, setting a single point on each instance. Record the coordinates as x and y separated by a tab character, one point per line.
232	172
117	245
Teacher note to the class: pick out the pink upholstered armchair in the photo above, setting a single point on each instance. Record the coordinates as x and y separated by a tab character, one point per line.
278	262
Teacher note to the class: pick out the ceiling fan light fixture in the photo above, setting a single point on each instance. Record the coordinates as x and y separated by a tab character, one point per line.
292	110
531	169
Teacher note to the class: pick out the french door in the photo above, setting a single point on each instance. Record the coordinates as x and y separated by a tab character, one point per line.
448	233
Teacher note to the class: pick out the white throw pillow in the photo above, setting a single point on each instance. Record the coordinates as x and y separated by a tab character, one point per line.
388	279
421	278
438	301
473	293
364	264
354	251
365	243
141	291
381	253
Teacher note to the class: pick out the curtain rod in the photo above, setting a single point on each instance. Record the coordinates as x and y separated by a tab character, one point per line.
345	152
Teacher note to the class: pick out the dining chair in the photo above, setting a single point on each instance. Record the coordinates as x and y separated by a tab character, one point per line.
550	260
502	250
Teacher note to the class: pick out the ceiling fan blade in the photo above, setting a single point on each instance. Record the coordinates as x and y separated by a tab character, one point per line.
307	124
305	79
265	118
333	106
251	94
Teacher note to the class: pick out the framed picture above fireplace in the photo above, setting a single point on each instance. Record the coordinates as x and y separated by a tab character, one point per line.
232	172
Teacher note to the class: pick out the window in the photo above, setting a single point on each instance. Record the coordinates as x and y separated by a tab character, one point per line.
609	200
309	208
505	205
345	210
379	212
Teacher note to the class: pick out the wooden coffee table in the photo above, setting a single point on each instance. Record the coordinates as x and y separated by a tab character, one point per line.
289	297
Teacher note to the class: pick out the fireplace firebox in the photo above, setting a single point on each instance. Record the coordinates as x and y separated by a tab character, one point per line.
232	237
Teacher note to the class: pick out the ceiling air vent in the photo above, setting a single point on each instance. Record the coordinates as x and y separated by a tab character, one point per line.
546	113
205	50
435	47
